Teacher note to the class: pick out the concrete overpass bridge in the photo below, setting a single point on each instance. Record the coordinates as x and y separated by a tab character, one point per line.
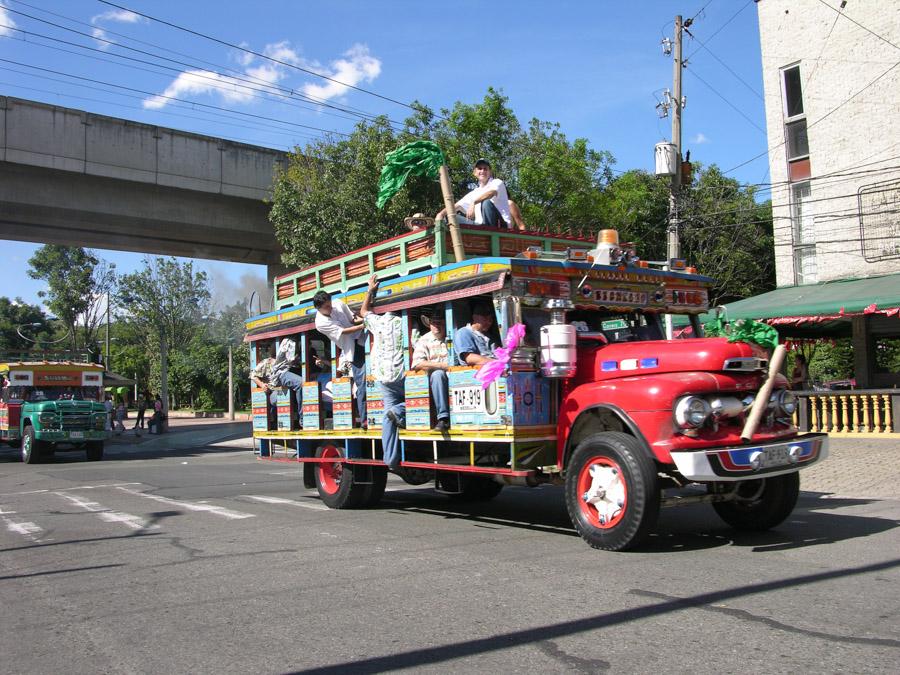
75	178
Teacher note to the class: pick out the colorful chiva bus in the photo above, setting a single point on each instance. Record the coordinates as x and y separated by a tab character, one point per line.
592	397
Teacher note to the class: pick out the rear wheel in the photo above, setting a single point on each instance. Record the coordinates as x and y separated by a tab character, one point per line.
761	504
612	491
335	481
94	451
32	448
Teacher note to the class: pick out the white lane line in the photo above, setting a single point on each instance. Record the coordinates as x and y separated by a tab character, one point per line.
192	506
108	515
293	502
79	487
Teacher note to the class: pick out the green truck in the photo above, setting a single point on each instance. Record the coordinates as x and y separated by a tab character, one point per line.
50	406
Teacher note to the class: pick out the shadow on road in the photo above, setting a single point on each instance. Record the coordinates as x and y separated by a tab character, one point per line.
683	528
542	634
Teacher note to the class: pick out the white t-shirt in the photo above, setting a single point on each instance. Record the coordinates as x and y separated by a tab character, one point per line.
332	327
500	200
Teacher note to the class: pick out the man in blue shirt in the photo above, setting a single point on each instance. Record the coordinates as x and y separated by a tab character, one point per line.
472	345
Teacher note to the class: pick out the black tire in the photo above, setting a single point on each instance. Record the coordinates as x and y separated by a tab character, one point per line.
627	505
336	482
32	448
94	451
762	504
413	476
477	489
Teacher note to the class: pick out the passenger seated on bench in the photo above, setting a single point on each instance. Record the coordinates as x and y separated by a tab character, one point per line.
321	368
473	346
430	353
274	372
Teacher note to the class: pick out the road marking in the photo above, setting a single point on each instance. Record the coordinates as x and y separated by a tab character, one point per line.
192	506
29	530
293	502
79	487
108	515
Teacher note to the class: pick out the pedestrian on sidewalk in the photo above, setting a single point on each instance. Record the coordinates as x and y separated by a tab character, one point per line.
108	404
143	403
157	418
121	411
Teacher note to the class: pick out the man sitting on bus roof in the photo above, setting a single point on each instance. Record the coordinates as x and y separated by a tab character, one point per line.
335	321
430	353
472	344
387	367
487	204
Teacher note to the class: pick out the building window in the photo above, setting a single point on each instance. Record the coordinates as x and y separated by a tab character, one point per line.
804	231
796	140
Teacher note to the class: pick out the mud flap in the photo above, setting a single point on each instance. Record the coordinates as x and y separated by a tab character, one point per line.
309	475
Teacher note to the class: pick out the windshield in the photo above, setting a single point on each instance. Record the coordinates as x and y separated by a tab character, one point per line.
39	394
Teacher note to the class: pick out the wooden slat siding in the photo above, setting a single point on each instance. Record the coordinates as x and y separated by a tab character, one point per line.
512	247
358	267
420	248
563	245
475	244
285	290
306	283
332	275
387	258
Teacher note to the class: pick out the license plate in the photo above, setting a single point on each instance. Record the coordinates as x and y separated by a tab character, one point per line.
467	399
777	456
76	434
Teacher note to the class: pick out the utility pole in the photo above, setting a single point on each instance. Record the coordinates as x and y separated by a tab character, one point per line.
673	247
230	383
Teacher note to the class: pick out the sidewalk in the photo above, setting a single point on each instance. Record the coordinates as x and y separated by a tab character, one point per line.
184	433
857	467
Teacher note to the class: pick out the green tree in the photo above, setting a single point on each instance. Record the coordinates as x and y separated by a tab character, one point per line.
72	289
16	316
728	235
636	204
164	302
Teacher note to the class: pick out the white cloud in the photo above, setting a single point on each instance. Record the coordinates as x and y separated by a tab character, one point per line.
700	139
357	66
117	15
201	82
112	16
7	20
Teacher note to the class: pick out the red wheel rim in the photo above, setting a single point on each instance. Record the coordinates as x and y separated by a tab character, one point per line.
330	473
585	482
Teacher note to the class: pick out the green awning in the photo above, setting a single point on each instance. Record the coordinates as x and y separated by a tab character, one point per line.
831	300
817	310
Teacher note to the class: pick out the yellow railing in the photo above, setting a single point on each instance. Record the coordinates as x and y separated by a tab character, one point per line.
851	413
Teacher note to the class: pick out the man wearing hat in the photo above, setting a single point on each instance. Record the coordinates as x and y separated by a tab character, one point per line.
488	204
430	353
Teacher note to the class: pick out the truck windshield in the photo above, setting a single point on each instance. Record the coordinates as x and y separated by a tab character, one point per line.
37	395
627	327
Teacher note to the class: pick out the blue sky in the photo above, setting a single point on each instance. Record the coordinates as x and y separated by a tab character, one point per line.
597	68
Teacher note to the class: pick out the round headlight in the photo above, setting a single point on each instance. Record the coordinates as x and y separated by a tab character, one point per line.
787	402
48	418
692	412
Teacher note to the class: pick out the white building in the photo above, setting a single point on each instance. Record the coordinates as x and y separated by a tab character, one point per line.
831	73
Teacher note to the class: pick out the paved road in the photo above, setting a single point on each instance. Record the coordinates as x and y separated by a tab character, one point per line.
204	559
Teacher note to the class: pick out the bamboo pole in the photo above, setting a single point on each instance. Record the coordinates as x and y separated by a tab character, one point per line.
450	209
762	398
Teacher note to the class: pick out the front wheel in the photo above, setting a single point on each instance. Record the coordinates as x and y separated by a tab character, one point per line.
94	451
32	448
761	504
612	491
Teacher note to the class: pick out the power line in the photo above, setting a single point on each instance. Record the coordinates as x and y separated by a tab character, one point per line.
830	112
868	30
719	30
738	110
171	98
240	77
260	55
